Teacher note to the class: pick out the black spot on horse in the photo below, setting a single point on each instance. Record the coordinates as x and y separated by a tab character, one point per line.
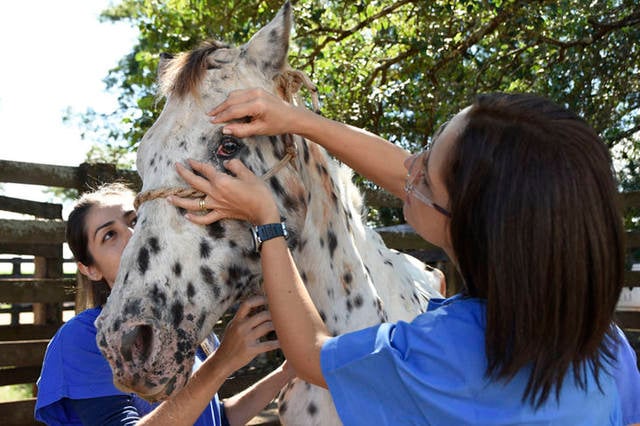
273	36
177	269
347	277
200	321
208	275
216	230
132	308
236	274
205	249
191	291
154	245
334	198
116	325
278	149
388	262
177	313
312	409
305	151
277	187
333	241
349	305
266	65
282	408
251	255
158	297
260	156
143	260
323	316
357	300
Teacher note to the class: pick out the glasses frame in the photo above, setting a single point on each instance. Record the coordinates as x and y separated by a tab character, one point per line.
410	188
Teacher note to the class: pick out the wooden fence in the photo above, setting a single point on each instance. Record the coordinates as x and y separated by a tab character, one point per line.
22	346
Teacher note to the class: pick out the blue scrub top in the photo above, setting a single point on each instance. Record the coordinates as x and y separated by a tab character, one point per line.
74	368
432	371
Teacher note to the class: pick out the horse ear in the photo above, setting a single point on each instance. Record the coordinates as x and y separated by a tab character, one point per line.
269	47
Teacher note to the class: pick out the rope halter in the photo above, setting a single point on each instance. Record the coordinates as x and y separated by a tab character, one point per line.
288	83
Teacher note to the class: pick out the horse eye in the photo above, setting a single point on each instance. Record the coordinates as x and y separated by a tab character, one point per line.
227	147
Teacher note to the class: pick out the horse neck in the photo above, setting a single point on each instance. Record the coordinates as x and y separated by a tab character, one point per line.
335	250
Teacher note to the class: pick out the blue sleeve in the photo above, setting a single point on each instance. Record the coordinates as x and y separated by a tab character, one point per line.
73	369
106	411
627	379
224	421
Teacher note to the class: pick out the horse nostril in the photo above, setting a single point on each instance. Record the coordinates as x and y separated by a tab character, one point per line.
136	343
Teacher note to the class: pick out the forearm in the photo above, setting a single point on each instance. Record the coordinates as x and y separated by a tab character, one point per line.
247	404
300	329
188	403
373	157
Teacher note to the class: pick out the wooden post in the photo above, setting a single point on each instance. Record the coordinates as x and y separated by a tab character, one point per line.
48	313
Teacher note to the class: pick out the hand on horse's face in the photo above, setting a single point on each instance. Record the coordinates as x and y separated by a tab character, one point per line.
244	197
242	339
268	114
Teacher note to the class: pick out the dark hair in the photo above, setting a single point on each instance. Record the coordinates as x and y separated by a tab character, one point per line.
77	239
537	231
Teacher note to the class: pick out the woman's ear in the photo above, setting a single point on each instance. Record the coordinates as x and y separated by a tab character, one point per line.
92	272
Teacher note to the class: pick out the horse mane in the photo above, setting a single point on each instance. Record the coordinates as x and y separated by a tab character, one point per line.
183	74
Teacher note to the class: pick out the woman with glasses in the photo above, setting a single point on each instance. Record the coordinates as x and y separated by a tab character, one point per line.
520	194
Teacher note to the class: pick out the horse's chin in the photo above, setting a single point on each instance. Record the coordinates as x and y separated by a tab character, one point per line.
157	393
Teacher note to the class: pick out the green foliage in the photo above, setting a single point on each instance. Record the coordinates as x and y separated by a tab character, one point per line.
16	392
401	68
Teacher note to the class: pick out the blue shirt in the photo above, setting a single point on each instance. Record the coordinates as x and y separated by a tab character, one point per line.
74	368
432	371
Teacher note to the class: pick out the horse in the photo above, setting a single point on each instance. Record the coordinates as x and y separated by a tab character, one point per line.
176	279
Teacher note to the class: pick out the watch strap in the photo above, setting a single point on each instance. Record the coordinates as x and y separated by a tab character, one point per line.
262	233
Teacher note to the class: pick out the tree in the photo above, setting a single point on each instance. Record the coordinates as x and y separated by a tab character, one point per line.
401	68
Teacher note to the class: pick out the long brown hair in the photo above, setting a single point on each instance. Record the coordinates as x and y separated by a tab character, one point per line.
96	292
537	232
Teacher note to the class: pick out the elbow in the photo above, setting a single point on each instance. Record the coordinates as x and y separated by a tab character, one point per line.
306	362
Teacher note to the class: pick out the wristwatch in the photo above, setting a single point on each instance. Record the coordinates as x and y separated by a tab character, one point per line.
262	233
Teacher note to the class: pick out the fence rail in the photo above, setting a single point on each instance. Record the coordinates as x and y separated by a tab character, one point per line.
22	346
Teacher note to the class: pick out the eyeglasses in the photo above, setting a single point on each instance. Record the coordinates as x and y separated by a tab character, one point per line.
410	187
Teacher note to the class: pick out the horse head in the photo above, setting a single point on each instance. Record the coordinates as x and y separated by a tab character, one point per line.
176	279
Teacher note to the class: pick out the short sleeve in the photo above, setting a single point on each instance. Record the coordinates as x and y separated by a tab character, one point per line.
627	378
73	368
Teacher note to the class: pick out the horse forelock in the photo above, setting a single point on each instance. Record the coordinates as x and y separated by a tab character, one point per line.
184	73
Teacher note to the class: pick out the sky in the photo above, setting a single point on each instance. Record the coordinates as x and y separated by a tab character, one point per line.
55	55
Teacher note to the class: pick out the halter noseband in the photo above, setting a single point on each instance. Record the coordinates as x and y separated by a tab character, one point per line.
152	194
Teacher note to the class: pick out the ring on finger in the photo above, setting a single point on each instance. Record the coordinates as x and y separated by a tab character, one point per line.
201	204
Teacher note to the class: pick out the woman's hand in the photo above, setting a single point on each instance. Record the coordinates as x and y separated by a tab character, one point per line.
244	197
268	114
241	340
